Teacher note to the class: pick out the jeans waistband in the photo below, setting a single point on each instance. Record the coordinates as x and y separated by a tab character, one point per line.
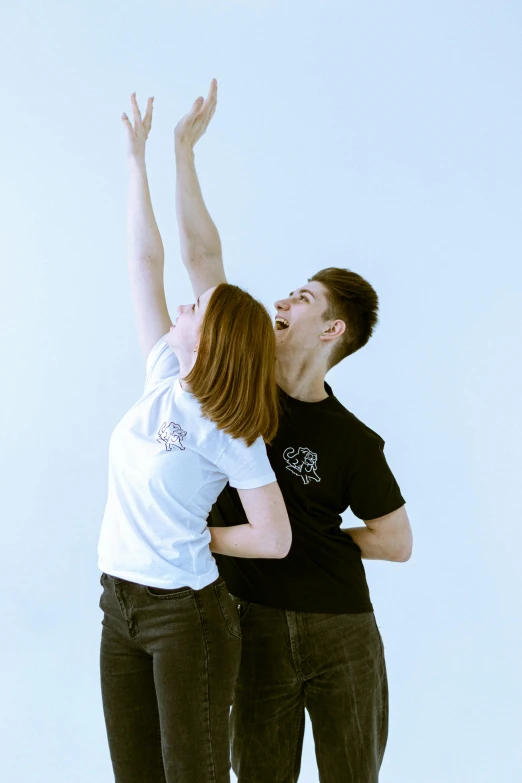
119	579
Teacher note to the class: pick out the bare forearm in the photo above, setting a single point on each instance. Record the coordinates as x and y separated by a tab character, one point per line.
198	234
242	541
374	546
143	236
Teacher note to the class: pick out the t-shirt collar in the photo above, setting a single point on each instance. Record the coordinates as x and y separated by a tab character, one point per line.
324	403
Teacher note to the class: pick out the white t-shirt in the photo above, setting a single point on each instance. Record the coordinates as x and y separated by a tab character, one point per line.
167	466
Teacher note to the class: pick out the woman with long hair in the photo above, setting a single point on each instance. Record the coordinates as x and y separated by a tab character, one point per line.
171	638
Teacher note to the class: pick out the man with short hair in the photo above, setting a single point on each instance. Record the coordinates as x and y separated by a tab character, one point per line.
309	636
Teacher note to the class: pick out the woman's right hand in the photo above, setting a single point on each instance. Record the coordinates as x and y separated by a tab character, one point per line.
137	135
193	125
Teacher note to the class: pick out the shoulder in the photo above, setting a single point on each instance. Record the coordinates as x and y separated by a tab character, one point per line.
154	353
247	467
234	454
237	449
161	363
354	428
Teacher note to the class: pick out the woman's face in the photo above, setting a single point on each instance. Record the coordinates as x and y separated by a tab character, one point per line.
183	336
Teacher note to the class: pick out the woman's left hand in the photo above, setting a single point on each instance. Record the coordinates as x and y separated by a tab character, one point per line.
137	135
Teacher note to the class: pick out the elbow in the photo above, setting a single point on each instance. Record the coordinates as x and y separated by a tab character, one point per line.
282	547
404	554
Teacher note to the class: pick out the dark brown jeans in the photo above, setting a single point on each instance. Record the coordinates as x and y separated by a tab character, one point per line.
168	664
330	664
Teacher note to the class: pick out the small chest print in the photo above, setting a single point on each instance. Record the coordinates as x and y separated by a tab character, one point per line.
302	462
171	435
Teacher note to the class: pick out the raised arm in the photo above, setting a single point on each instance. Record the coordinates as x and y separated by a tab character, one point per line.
144	247
199	238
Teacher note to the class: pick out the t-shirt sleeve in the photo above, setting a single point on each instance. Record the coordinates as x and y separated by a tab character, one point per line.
246	467
161	363
373	490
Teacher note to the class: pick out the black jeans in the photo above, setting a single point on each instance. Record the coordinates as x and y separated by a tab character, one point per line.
332	665
168	664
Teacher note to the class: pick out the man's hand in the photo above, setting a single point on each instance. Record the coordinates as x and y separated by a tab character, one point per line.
193	125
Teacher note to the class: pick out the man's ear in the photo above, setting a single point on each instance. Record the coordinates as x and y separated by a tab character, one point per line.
337	328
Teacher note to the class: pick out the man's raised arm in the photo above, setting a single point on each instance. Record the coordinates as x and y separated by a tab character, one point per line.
199	238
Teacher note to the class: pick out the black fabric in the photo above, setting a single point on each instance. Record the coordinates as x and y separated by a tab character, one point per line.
331	665
325	460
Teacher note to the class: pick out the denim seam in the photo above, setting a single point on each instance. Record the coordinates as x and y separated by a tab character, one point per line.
381	643
209	726
161	766
294	651
384	713
223	611
294	760
128	612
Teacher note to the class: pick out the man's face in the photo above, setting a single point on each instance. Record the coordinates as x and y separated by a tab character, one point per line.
299	323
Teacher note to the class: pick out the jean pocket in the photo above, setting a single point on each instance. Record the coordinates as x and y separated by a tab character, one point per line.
243	607
174	592
228	609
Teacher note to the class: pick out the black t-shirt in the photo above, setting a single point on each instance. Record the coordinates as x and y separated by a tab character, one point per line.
325	460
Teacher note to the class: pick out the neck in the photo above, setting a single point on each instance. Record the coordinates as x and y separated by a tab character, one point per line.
186	363
301	379
184	385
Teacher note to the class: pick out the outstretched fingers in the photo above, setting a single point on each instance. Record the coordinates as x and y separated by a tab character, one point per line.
147	121
135	110
208	107
212	99
138	121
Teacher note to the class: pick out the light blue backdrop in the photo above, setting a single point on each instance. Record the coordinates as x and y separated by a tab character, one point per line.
385	137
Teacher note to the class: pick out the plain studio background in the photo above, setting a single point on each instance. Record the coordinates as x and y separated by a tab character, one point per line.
385	137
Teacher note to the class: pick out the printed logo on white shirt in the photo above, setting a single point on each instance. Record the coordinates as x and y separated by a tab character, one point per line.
302	462
171	435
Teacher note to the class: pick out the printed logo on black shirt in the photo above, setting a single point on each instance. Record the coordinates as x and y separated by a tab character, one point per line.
171	435
302	462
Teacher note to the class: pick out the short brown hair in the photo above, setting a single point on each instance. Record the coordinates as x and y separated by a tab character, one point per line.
233	377
353	300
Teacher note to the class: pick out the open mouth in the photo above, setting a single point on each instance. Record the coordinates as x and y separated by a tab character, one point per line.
281	323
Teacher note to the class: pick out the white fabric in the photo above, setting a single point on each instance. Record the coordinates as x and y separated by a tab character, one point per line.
167	466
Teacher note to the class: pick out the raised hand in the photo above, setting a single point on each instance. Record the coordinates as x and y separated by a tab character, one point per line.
193	125
137	135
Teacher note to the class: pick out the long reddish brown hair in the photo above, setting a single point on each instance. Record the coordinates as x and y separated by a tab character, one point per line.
233	377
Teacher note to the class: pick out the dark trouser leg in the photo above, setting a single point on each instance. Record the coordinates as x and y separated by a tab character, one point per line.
331	663
131	712
267	719
168	666
346	695
195	687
